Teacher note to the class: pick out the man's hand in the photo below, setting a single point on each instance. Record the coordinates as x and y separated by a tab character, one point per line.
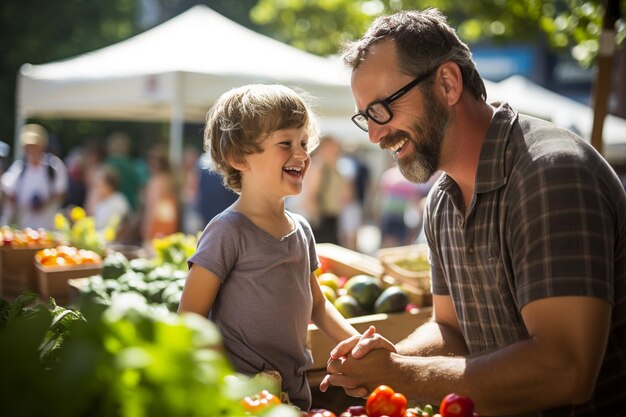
358	346
358	377
355	347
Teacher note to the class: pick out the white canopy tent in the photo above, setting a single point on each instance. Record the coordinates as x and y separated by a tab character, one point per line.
532	99
174	72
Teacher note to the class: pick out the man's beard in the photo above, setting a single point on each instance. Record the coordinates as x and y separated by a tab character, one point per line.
431	130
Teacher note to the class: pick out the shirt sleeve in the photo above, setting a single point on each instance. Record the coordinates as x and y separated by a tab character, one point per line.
438	284
217	249
561	231
9	178
61	180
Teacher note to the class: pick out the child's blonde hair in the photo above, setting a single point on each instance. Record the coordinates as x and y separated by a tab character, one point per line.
243	117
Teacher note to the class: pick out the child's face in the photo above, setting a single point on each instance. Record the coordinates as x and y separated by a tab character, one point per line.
282	164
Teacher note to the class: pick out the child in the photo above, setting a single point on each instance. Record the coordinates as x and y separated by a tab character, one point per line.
252	272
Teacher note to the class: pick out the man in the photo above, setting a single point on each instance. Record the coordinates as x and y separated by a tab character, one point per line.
34	186
527	235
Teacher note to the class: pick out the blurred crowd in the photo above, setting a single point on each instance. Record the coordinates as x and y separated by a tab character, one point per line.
348	199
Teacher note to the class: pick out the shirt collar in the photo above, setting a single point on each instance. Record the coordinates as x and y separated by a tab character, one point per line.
491	172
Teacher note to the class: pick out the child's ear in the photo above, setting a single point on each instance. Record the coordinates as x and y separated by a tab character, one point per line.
239	165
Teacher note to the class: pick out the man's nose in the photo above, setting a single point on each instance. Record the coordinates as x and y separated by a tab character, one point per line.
376	132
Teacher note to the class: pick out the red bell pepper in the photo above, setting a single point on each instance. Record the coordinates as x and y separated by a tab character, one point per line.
384	401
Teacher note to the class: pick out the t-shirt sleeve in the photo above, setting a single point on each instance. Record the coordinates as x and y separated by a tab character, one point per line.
61	179
217	249
9	178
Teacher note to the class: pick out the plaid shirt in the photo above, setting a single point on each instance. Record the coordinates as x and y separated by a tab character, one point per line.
547	219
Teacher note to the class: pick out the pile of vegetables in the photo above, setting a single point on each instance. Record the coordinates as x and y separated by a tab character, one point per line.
25	238
65	256
385	402
126	359
154	283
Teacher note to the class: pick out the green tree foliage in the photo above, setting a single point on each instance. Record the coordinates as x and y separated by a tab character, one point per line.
320	26
38	31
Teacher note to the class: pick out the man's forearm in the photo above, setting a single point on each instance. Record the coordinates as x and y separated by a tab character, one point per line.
433	339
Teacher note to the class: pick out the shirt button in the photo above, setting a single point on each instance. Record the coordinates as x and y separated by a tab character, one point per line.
460	222
471	250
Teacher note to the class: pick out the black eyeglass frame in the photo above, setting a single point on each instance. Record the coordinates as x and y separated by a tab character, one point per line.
387	101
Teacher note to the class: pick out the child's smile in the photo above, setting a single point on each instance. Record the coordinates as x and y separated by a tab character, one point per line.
297	172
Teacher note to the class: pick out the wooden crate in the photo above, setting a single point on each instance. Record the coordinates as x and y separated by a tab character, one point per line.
394	327
17	270
53	281
346	262
390	256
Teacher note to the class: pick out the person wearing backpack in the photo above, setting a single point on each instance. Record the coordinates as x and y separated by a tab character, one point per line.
34	186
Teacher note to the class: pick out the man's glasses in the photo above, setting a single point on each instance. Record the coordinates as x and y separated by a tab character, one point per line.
379	111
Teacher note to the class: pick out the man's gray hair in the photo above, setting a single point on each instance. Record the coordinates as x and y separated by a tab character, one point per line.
424	40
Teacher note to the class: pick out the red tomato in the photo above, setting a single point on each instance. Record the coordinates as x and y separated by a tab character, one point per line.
455	405
320	412
260	401
384	401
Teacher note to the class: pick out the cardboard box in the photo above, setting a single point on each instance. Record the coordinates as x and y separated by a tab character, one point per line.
394	327
53	281
17	270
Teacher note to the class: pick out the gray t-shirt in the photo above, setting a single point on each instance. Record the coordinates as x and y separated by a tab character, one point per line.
264	304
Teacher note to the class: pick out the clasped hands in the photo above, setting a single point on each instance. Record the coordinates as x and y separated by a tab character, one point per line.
357	364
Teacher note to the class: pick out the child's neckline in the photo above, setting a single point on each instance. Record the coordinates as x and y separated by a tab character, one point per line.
292	222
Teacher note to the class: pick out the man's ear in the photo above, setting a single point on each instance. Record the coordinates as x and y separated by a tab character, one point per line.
451	81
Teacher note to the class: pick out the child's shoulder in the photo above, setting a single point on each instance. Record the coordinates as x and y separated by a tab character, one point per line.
299	219
227	218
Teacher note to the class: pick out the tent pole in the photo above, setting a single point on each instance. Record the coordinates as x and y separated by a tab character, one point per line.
602	88
177	122
20	121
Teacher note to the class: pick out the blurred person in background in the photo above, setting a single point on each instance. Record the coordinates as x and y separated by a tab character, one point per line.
191	221
327	191
118	145
356	172
81	163
5	150
398	199
160	208
213	197
34	186
106	204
